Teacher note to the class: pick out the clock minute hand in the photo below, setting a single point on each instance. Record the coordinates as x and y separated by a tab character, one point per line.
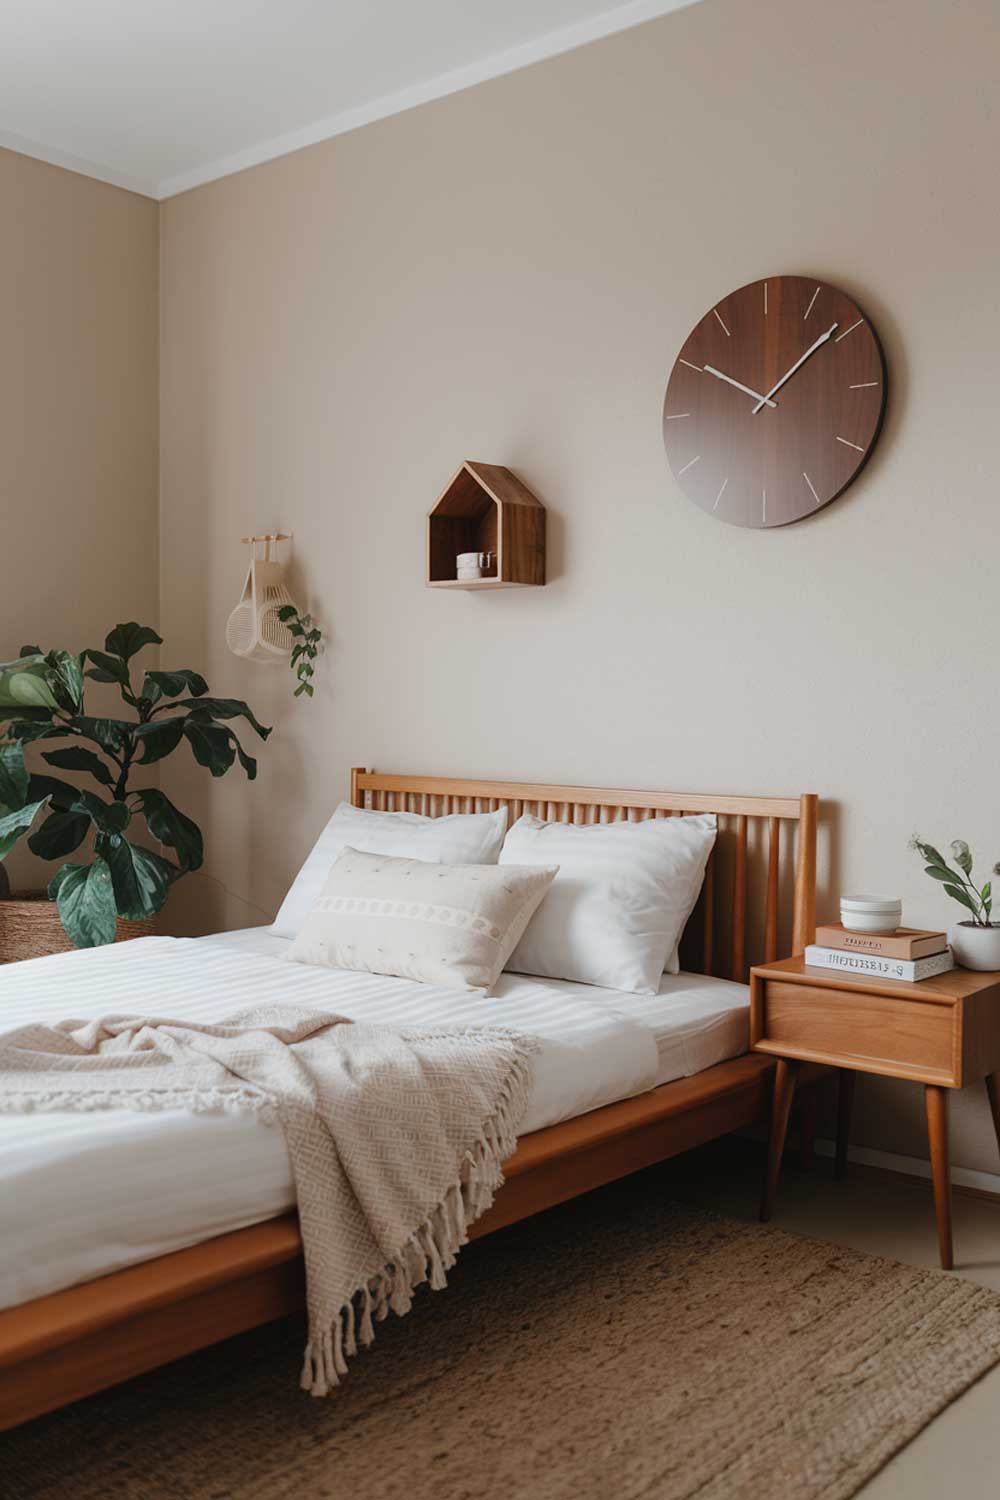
744	388
800	361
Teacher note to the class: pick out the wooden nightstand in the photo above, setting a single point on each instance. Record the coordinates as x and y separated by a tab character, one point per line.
943	1033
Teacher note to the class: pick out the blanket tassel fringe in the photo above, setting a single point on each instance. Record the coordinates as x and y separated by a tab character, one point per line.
431	1250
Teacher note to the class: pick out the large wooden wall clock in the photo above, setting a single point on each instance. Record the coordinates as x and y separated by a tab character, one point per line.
775	402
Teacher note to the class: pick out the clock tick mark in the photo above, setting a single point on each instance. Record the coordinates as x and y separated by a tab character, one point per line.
848	330
721	493
850	445
682	361
722	325
862	385
765	299
690	464
810	307
812	488
675	416
764	511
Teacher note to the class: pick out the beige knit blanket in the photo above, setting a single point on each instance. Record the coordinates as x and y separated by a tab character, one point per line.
396	1138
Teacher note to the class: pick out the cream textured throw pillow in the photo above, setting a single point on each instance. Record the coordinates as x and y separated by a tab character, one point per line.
458	839
453	925
624	892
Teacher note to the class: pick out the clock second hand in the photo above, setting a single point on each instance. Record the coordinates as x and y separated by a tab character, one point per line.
744	388
766	400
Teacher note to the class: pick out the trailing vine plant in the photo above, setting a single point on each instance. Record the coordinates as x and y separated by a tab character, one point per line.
306	649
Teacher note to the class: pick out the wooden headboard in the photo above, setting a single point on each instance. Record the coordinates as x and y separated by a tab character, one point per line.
751	903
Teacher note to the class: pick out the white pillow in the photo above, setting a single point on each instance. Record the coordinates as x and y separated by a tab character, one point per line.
615	912
458	839
453	925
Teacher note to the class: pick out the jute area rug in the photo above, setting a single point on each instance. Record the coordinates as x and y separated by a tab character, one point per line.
620	1346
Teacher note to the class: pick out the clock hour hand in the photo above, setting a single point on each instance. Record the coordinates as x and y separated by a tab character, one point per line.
765	400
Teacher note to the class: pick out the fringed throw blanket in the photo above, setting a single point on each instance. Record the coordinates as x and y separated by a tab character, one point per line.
396	1138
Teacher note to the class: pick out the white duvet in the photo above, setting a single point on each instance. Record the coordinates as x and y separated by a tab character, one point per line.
85	1194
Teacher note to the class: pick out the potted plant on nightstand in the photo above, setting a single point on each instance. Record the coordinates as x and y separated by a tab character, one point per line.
119	885
976	942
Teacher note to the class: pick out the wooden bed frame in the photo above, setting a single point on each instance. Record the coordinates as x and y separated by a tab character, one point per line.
59	1348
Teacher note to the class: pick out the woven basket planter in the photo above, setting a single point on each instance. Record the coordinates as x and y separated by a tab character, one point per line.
30	928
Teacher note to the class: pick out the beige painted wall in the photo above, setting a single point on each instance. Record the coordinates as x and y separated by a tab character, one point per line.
78	413
507	275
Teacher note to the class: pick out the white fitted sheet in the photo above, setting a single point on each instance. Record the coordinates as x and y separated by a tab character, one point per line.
84	1194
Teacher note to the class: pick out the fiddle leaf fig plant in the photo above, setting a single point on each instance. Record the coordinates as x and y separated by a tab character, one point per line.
957	878
42	699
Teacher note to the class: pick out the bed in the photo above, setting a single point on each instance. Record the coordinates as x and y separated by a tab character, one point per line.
622	1082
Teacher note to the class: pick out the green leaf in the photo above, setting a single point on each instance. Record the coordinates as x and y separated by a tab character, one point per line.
931	854
140	878
224	708
287	612
31	651
211	745
127	640
35	729
157	685
29	715
958	894
14	822
109	817
24	684
85	897
246	761
75	758
940	872
170	826
66	678
110	734
13	776
59	835
158	738
108	668
51	789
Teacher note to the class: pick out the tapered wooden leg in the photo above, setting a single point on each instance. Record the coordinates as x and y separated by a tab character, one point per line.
807	1127
937	1130
781	1108
845	1102
993	1094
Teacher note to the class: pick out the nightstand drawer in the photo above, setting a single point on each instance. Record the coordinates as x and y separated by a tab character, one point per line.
911	1038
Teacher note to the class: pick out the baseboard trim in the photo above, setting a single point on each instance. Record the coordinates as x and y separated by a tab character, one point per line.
963	1179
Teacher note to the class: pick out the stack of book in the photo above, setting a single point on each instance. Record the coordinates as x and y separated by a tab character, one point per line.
908	953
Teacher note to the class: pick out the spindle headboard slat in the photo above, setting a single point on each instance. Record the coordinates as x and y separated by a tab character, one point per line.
727	909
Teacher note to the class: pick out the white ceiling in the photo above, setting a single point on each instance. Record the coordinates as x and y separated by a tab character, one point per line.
161	95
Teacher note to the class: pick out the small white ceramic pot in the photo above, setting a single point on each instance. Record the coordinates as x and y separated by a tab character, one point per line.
871	913
975	947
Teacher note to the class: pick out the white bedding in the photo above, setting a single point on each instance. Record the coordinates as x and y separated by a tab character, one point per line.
85	1194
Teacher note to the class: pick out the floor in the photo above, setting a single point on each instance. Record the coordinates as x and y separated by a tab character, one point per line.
957	1455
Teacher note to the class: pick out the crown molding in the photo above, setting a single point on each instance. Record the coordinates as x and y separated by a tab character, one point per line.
82	165
510	60
564	39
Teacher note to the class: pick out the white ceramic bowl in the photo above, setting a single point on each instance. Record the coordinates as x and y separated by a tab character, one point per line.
871	913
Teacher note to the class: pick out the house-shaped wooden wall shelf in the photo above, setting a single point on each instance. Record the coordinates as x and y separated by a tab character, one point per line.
486	508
